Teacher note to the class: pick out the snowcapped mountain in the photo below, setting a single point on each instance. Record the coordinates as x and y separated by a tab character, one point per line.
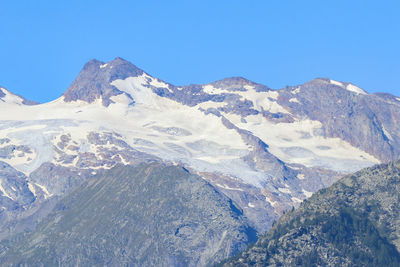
7	98
265	149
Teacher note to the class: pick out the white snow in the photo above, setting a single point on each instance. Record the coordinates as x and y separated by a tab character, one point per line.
355	89
251	205
270	201
210	104
209	89
228	188
159	84
299	142
9	98
349	87
285	190
294	100
307	193
4	192
40	129
44	189
296	91
337	83
388	135
261	100
32	189
296	200
209	146
103	66
300	176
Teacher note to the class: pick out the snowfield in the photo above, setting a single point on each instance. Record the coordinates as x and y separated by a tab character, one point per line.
172	131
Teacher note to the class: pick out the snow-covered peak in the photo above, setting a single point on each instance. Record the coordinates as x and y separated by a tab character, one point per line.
6	97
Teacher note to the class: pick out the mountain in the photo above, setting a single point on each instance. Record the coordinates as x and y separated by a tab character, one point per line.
94	81
148	215
265	149
355	222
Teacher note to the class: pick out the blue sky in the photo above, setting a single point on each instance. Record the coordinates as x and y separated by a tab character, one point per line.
44	44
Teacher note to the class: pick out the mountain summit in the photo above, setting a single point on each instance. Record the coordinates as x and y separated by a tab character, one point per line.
94	80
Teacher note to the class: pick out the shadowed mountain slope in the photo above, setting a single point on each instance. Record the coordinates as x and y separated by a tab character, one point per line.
149	215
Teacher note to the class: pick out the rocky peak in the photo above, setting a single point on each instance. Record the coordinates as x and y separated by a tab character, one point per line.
94	80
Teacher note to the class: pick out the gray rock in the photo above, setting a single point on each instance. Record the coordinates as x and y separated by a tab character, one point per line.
150	215
94	81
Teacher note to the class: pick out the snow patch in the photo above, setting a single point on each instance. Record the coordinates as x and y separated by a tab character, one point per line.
284	190
228	188
300	176
44	189
296	200
388	135
349	87
103	66
270	201
336	83
355	89
301	142
32	189
159	84
296	91
4	192
307	193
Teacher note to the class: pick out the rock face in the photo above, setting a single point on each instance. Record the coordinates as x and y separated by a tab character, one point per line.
149	215
94	81
355	222
19	200
14	189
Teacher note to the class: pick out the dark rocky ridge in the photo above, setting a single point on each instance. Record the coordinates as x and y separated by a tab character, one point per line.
16	200
149	215
355	222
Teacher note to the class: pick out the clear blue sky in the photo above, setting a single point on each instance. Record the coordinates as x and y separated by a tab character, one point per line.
44	44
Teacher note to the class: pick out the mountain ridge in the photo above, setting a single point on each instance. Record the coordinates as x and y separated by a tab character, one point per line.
265	149
124	68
